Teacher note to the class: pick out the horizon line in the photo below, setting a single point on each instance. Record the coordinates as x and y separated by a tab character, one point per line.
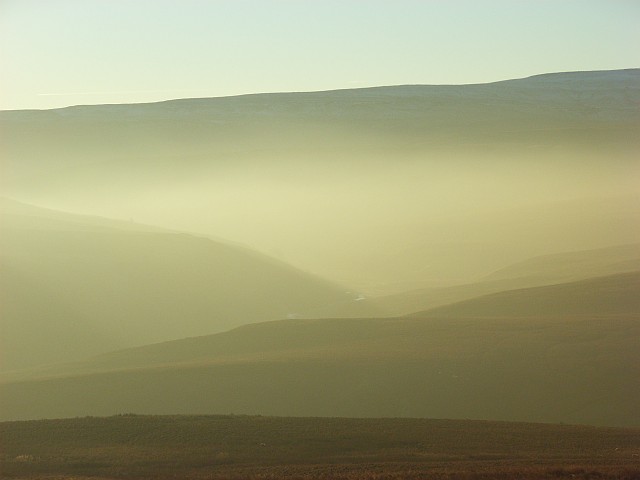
280	92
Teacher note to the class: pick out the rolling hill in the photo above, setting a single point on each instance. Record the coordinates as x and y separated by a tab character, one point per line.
610	295
568	266
538	271
577	365
74	286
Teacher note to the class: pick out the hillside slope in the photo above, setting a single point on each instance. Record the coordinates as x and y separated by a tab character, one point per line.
543	366
610	295
538	271
75	286
568	266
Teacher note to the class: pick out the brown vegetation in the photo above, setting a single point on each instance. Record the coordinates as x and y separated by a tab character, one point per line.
235	447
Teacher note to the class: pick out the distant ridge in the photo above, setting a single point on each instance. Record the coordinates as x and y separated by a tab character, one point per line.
622	71
587	76
539	76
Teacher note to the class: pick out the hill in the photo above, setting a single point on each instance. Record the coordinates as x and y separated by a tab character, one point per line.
610	295
223	447
568	266
574	366
74	286
538	271
591	107
466	179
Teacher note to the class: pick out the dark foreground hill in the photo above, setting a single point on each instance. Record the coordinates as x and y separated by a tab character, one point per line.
74	286
573	367
234	447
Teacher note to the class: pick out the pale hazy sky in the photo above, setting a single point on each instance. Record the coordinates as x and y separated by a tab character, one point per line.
66	52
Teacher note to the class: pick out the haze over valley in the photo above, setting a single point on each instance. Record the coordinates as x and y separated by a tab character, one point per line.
381	189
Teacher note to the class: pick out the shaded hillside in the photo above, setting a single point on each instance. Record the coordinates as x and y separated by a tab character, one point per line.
579	368
611	295
223	447
75	286
388	175
538	271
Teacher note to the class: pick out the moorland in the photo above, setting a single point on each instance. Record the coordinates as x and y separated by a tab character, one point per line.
250	447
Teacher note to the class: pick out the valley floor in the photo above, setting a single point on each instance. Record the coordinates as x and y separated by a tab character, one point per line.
254	447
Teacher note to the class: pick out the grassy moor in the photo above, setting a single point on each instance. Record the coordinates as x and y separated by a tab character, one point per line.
255	447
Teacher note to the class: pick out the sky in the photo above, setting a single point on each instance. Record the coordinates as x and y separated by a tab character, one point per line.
56	53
